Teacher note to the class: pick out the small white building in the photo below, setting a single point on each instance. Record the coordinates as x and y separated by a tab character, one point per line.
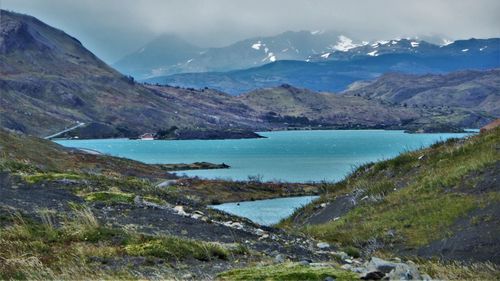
147	136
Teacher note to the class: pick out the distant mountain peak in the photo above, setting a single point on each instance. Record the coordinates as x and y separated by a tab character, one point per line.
345	44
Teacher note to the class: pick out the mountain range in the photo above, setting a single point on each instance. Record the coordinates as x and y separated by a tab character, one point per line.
170	54
335	72
50	82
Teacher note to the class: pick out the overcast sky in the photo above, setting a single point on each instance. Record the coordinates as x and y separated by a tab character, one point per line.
113	28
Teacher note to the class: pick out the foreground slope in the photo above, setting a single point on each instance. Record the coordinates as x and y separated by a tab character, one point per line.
438	202
49	81
66	214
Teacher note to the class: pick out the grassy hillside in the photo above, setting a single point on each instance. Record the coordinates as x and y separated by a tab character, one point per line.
469	90
436	202
49	81
303	108
66	214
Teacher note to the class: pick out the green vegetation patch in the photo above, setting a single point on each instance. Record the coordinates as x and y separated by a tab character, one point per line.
432	194
109	197
174	248
40	251
17	166
456	270
114	197
39	177
415	220
288	272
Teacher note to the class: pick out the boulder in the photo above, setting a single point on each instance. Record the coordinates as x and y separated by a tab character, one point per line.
323	245
342	255
259	232
305	262
378	268
180	210
279	258
377	264
404	271
195	216
373	275
237	225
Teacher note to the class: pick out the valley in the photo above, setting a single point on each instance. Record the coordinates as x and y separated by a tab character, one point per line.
306	155
75	86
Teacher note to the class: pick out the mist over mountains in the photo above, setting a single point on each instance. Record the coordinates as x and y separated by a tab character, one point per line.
318	60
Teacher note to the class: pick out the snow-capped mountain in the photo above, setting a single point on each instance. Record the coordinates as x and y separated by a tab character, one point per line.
170	54
407	46
345	63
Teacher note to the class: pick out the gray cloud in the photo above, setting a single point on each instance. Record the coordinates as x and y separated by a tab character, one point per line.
113	28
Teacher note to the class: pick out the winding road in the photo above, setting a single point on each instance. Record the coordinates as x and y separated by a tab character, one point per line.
79	124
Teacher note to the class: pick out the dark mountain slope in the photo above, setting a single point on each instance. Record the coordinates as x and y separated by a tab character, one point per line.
49	81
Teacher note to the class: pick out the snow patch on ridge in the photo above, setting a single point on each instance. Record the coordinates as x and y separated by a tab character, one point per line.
414	44
326	55
257	45
373	54
317	32
345	44
270	56
446	42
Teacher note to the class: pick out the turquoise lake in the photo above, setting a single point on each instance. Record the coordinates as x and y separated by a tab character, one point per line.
266	212
292	156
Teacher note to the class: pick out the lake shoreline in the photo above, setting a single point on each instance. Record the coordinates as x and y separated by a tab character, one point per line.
257	134
312	156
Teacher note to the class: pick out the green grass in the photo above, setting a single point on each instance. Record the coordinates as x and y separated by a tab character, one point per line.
114	197
287	272
174	248
40	251
110	197
39	177
425	206
460	271
416	219
17	166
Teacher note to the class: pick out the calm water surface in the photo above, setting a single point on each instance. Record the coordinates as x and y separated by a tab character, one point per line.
266	212
293	156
